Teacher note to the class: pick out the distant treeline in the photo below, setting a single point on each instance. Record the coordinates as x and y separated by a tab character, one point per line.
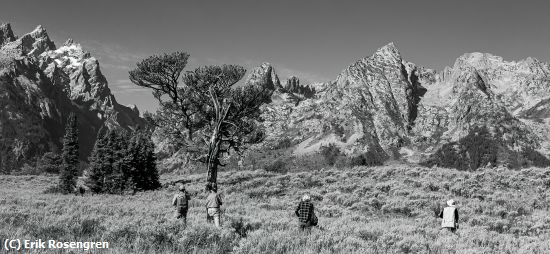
482	148
121	161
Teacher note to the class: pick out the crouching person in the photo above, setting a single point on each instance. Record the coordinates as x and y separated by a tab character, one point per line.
181	202
306	214
213	204
449	215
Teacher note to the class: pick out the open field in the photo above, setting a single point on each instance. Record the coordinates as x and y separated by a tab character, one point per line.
387	209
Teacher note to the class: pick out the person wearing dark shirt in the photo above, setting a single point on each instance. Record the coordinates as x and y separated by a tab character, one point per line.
306	214
181	202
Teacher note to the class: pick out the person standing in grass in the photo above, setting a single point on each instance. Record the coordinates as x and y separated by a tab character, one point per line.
213	204
306	214
449	215
181	202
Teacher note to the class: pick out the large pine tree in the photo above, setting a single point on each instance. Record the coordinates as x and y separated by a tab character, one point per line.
142	162
119	173
69	156
99	166
149	160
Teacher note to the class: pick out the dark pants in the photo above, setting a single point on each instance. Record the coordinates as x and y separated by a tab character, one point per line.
182	215
305	226
453	230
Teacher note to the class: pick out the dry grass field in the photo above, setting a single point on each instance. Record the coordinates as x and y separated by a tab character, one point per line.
388	209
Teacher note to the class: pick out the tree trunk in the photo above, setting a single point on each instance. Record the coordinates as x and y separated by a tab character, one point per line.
213	154
215	139
212	172
213	160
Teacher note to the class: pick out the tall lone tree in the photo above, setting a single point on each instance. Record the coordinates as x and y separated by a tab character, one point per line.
203	109
69	156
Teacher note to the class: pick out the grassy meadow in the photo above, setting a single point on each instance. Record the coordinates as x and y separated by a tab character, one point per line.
386	209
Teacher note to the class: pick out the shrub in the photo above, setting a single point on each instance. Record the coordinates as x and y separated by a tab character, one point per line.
87	228
331	153
49	163
397	208
241	227
284	143
27	169
535	158
376	204
277	166
368	159
479	149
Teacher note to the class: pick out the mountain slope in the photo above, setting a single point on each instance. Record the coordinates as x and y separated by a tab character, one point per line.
387	108
40	85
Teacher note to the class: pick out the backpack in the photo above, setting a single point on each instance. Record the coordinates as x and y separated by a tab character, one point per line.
314	220
448	217
182	202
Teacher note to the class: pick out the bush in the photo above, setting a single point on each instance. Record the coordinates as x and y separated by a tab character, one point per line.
331	153
277	166
535	158
27	169
284	143
49	163
479	149
476	150
241	227
368	159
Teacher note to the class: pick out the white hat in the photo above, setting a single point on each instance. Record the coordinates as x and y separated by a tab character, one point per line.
306	197
451	202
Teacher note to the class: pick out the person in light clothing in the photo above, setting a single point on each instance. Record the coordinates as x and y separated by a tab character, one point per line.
450	216
213	204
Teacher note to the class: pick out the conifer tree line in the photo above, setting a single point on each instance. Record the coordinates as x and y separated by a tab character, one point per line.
122	161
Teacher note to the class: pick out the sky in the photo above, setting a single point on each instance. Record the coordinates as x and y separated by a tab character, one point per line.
311	39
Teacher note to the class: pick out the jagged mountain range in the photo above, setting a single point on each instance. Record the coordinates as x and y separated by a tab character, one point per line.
382	105
388	108
40	85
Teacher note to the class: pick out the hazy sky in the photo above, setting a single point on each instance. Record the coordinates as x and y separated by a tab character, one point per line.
312	39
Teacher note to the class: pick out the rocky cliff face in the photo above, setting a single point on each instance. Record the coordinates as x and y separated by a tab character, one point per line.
40	85
389	108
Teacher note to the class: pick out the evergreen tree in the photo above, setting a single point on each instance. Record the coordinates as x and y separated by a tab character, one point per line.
142	161
99	166
49	163
120	174
120	162
69	156
150	163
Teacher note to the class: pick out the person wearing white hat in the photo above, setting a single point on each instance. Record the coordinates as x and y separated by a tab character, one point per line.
213	204
449	216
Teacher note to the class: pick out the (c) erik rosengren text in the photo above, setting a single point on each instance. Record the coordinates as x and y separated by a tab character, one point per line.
19	244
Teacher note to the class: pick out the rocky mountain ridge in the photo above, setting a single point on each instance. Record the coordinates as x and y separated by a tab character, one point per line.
40	85
387	108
